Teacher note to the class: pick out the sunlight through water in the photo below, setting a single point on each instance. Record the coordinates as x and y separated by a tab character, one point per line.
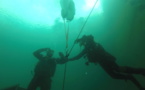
45	11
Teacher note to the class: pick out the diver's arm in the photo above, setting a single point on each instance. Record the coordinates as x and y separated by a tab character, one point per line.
62	59
38	54
81	54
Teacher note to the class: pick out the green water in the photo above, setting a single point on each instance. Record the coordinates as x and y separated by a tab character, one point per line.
28	25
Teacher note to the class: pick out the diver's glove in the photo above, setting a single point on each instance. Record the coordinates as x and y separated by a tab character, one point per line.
77	41
67	55
65	59
61	54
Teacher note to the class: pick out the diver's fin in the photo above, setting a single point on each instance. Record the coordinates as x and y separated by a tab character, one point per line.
11	87
15	87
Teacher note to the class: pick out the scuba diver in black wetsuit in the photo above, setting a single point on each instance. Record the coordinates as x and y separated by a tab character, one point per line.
95	53
45	69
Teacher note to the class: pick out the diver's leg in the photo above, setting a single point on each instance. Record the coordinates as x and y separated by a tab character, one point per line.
125	77
131	70
130	77
33	84
46	85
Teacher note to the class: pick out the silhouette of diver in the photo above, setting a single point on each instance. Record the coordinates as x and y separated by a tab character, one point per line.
45	69
95	53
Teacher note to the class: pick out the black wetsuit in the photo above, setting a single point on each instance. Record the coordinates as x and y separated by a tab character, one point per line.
44	70
95	53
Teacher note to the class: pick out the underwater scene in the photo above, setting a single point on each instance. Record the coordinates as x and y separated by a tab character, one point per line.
72	44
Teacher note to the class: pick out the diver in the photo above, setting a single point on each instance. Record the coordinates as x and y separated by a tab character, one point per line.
96	54
45	69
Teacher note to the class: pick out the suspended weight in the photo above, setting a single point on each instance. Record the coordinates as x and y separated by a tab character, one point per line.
67	9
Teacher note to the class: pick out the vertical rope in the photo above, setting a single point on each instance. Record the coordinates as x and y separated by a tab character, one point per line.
65	27
64	77
66	36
